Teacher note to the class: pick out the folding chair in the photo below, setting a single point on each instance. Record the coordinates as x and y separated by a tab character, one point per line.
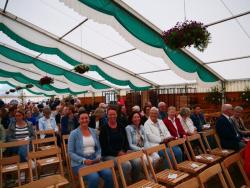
50	132
188	166
66	155
142	183
44	143
44	158
191	183
235	158
23	166
96	168
211	172
218	150
7	165
202	157
167	176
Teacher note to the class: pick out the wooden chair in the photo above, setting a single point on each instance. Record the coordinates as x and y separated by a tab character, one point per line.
50	132
43	158
53	181
188	166
203	157
142	183
235	158
44	143
23	166
165	176
6	166
216	151
66	156
211	172
191	183
96	168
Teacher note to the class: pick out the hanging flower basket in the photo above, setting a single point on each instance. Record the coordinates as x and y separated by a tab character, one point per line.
186	34
81	68
214	97
46	80
12	90
18	88
7	92
28	86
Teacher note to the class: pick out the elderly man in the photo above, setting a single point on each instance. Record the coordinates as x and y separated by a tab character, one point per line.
238	121
229	137
162	110
157	133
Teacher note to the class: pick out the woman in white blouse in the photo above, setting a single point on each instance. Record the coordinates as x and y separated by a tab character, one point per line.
157	133
186	121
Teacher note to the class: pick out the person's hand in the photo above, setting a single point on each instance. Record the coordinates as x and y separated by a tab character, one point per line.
88	162
184	137
97	160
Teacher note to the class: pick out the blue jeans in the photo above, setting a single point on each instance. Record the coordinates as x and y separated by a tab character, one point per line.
93	179
177	153
22	151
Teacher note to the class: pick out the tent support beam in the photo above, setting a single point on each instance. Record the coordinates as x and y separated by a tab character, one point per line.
78	25
5	6
229	18
153	71
120	53
230	59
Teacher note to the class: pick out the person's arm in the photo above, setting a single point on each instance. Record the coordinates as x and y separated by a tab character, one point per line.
71	149
53	122
64	125
41	127
130	139
97	146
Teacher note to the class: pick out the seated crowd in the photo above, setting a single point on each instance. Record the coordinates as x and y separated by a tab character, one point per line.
107	132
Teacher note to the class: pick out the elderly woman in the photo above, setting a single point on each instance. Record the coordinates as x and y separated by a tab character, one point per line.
19	129
47	122
186	121
84	150
97	120
136	135
114	143
157	133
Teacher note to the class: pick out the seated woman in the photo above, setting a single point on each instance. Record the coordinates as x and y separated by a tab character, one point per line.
173	124
84	149
19	129
97	119
158	133
114	143
47	122
137	138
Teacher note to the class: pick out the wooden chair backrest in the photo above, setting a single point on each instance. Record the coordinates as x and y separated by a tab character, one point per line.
96	168
128	157
235	158
192	138
36	143
211	172
191	183
156	149
34	155
5	145
179	141
45	132
212	133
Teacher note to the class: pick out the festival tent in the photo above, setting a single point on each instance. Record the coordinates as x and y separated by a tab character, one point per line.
121	43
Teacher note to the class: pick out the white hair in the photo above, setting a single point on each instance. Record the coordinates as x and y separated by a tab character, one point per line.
136	108
161	104
154	109
226	107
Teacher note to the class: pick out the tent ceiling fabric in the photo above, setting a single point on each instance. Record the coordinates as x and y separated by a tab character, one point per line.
121	42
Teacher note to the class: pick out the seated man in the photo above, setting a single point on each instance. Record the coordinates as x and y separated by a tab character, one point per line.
229	137
198	118
238	122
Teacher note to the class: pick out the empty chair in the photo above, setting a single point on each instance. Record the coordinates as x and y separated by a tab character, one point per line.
43	144
203	157
191	183
188	166
142	183
211	172
235	158
218	150
167	176
42	133
46	157
7	165
96	168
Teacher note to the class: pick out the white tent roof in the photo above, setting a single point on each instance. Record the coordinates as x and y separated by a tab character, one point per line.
228	56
